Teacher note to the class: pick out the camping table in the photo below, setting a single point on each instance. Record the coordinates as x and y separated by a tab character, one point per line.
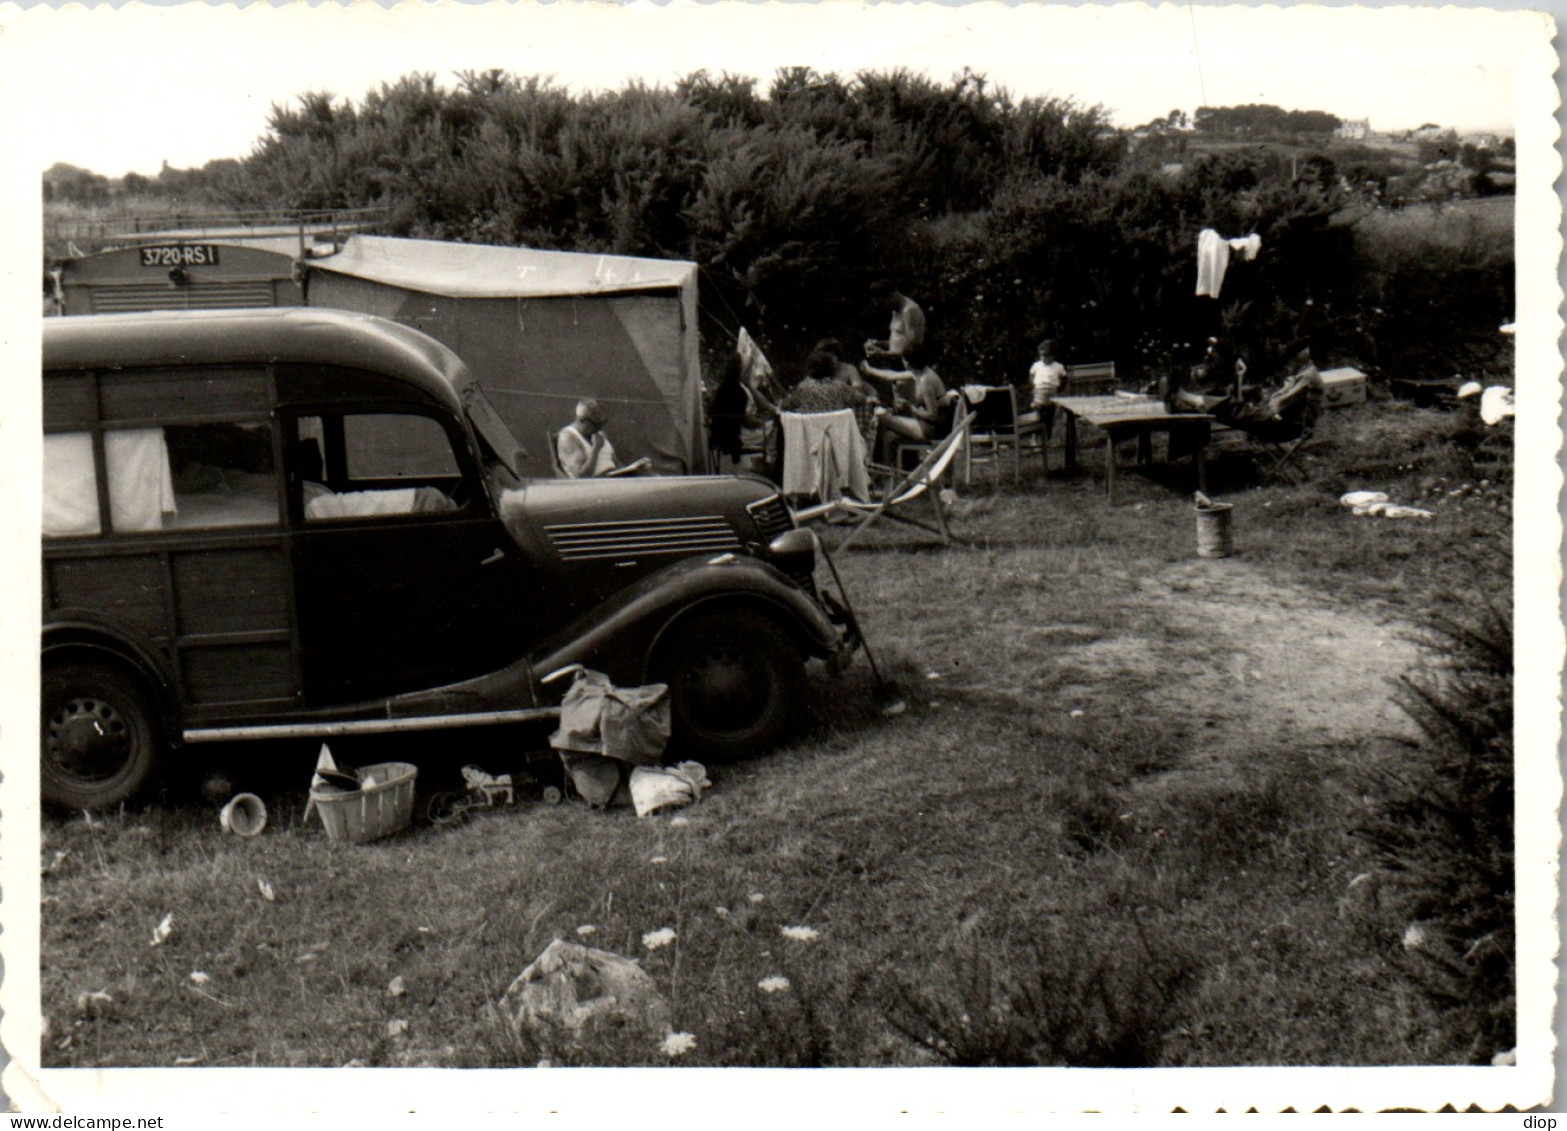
1120	417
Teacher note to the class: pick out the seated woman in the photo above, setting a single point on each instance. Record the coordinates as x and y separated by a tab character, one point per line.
919	414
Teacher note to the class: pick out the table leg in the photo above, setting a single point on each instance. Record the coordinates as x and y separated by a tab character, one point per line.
1145	446
1109	466
1070	421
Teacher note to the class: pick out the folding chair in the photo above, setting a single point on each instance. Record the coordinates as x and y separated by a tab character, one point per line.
924	482
996	432
1279	445
1285	451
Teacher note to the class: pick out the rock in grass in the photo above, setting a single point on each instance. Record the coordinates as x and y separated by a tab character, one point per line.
572	993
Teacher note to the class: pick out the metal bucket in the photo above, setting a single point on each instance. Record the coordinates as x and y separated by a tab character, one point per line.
1213	531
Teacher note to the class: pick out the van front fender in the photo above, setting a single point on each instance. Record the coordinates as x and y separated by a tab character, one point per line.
619	637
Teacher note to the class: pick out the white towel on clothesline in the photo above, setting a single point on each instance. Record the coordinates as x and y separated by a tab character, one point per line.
1213	258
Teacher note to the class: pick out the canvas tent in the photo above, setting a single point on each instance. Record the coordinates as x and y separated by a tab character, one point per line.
542	329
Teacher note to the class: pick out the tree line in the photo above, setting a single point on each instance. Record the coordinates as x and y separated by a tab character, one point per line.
1008	219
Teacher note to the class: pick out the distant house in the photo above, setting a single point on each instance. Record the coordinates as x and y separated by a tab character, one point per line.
1483	141
1358	129
1427	132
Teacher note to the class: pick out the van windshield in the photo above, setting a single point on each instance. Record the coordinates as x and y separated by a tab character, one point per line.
496	438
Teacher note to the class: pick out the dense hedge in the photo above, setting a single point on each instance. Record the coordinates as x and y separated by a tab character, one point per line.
1007	219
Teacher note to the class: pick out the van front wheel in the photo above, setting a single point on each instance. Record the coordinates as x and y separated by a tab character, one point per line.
100	741
734	680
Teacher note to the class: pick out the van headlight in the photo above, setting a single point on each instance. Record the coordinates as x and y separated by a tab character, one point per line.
793	552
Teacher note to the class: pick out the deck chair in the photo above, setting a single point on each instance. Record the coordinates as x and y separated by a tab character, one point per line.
1284	446
552	445
896	505
1278	445
996	434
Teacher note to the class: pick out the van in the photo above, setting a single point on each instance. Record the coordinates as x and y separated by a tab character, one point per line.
300	523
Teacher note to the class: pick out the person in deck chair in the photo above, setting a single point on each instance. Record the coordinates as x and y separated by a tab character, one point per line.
582	446
1282	414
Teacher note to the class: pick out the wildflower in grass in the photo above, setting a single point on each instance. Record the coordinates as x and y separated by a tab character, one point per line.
773	983
659	860
661	937
200	977
800	934
721	912
161	933
756	897
1414	936
679	822
677	1044
585	930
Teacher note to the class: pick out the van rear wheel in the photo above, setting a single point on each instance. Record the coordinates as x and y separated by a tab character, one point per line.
100	740
734	680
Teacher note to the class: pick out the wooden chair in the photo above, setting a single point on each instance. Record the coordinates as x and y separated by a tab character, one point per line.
896	505
995	432
1095	379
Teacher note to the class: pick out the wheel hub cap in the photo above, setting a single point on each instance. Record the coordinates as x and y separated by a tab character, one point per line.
88	739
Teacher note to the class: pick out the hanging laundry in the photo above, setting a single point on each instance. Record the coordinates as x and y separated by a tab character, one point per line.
1213	258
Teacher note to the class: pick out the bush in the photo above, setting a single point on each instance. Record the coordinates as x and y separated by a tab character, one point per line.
1073	998
1441	826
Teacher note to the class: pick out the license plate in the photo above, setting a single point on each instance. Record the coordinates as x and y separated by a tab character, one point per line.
180	255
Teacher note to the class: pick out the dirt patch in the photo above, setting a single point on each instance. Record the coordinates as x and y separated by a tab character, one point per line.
1247	659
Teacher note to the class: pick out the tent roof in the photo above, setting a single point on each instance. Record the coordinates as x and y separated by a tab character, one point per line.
459	270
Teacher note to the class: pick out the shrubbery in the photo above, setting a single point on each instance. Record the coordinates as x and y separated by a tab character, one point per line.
1008	220
1441	827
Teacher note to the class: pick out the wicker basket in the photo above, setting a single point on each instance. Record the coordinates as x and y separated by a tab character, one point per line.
372	811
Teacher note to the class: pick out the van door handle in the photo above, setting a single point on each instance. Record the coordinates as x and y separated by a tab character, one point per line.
493	558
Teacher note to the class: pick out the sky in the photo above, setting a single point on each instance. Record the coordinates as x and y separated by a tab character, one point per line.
126	89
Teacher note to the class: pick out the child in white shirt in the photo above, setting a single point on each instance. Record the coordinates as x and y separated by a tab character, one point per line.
1045	375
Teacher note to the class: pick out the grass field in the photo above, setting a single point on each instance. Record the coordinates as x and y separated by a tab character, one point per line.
1114	827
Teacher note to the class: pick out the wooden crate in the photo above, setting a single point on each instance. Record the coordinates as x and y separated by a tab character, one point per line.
1342	387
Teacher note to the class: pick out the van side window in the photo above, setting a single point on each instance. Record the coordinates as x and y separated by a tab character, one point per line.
180	477
223	475
354	465
70	494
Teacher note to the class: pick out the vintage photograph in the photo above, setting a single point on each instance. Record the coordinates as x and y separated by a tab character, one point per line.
755	536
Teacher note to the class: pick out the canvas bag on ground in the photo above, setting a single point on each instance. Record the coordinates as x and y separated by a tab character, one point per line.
603	728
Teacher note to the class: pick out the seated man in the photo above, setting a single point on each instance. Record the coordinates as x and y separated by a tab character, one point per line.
583	449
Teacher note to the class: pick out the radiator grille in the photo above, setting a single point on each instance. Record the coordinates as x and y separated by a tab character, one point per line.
698	534
772	517
132	297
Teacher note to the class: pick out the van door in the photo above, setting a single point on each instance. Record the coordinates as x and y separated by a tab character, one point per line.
404	578
162	529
